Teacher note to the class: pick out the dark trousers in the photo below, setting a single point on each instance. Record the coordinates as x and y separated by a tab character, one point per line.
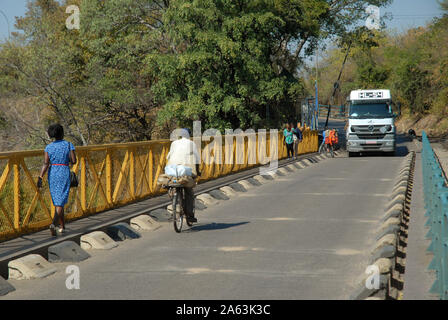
189	202
290	149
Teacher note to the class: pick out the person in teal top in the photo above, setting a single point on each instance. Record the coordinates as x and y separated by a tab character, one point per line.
289	140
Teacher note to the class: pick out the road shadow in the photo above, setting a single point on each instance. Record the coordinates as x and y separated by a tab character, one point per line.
215	226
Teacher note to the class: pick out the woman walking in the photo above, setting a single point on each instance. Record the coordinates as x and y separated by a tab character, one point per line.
297	139
289	140
57	159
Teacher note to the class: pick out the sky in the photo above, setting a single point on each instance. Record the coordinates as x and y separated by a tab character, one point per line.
406	14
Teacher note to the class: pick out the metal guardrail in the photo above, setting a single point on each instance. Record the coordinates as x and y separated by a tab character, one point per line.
114	175
436	204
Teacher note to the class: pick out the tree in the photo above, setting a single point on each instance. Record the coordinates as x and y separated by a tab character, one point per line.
237	58
119	34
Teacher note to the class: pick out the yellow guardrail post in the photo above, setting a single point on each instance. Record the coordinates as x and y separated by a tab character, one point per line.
16	171
83	183
109	177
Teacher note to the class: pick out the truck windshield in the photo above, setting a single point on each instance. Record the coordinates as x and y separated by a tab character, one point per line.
368	111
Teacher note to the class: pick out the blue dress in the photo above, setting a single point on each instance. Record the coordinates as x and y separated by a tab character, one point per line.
59	171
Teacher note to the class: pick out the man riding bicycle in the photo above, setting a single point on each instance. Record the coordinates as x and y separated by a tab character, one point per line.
184	152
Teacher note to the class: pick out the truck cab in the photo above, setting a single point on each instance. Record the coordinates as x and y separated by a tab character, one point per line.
371	122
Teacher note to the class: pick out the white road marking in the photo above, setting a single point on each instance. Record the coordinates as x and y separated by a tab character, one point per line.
345	194
346	179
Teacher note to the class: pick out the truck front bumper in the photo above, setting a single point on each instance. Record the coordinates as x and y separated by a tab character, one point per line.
387	144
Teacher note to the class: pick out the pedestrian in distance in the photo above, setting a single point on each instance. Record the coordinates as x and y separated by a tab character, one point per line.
289	140
57	159
298	137
322	145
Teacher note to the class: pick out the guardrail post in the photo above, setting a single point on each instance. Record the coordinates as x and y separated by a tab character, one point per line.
83	182
16	187
132	172
109	188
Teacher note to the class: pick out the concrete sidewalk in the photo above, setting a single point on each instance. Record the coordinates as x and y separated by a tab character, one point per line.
417	279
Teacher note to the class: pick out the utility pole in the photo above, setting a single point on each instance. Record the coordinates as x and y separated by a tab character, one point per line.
316	112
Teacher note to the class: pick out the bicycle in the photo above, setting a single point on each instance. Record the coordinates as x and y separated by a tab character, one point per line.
177	196
327	148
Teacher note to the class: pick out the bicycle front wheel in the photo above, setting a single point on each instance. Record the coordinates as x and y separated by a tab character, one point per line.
178	218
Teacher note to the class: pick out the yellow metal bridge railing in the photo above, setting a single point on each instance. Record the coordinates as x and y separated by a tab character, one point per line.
114	175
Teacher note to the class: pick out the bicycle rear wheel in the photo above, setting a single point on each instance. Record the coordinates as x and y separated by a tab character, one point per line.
178	218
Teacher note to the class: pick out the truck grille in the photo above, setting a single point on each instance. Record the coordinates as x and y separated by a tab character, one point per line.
379	136
368	129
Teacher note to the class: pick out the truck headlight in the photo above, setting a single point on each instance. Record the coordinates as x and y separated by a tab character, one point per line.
352	129
389	128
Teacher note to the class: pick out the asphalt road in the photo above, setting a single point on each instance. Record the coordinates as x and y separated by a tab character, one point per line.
302	236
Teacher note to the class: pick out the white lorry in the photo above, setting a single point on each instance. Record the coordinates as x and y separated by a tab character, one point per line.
371	125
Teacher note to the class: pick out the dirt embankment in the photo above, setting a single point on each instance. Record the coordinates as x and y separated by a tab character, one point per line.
432	125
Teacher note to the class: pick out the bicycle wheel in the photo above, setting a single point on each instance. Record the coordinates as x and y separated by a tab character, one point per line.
321	149
178	218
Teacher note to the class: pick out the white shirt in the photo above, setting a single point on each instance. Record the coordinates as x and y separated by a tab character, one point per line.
184	152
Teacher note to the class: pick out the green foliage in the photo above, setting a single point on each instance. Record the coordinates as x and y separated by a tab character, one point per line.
413	65
138	68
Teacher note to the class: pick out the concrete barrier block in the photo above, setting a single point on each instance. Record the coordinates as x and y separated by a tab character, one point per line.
403	176
401	183
280	174
272	174
254	182
207	199
393	229
309	161
32	266
405	169
238	187
97	240
306	162
246	184
261	179
161	215
218	195
396	192
390	222
383	252
296	165
228	191
362	292
199	205
67	251
384	265
122	231
5	287
144	223
399	199
267	177
394	212
288	170
387	240
291	167
301	164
